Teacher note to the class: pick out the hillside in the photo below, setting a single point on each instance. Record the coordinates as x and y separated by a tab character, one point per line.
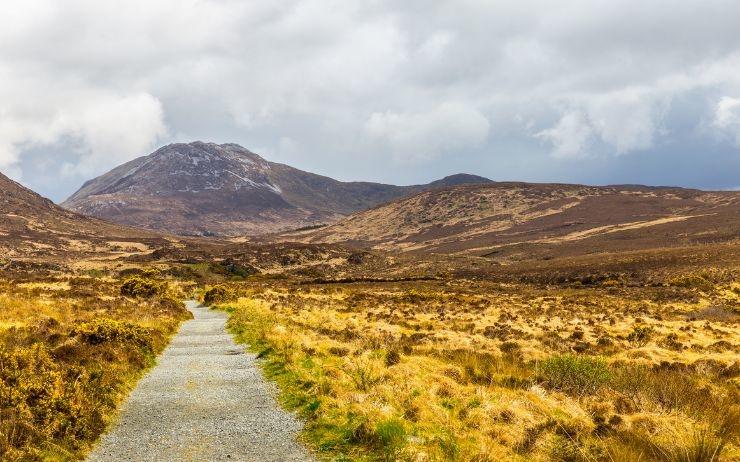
519	220
34	227
209	189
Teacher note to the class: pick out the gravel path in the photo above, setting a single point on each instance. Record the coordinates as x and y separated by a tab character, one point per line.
205	400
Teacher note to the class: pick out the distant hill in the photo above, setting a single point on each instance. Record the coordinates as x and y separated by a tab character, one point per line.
226	190
510	221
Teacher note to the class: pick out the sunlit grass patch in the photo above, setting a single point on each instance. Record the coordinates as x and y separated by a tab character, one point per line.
437	372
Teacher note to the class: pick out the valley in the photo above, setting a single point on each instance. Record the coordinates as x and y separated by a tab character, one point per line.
467	322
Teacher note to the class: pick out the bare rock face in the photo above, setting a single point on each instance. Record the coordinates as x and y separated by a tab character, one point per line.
209	189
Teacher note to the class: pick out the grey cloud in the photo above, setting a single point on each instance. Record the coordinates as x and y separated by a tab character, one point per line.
390	91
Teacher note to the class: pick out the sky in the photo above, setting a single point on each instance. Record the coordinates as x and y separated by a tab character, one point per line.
404	92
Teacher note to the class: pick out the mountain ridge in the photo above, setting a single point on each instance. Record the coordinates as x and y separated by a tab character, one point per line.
226	190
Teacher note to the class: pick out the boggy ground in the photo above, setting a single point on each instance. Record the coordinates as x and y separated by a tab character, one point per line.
474	370
71	346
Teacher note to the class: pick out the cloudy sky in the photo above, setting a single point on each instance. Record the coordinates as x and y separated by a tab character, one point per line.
402	92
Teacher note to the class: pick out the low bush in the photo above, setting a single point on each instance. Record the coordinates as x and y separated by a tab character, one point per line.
575	375
54	404
106	330
218	294
364	372
70	347
142	287
641	335
234	269
40	403
392	358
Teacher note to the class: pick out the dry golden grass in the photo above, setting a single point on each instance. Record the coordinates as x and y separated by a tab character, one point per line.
71	346
472	371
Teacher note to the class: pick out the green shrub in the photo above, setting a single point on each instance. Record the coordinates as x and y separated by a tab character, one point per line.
641	335
141	287
576	375
218	294
232	268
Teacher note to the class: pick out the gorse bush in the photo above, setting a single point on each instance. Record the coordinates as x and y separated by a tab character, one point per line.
109	330
39	401
65	366
218	294
49	405
142	287
572	374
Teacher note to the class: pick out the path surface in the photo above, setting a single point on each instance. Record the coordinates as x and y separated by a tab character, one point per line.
205	400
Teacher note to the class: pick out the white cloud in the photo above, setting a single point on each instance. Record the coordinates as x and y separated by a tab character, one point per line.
419	136
627	120
570	137
727	117
620	122
102	127
113	129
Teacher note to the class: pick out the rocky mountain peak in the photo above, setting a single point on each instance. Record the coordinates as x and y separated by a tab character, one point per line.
189	168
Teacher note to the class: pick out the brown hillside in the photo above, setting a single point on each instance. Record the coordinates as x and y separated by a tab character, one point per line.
33	227
519	220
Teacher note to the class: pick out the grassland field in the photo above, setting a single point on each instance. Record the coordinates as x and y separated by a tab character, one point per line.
474	371
640	364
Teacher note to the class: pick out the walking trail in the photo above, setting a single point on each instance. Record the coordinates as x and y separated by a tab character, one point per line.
205	400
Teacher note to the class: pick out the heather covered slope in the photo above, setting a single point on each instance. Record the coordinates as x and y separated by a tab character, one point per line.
210	189
32	226
520	220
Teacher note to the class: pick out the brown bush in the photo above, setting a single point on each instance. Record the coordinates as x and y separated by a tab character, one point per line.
218	294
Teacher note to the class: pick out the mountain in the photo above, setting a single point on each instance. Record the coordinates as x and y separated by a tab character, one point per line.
510	221
209	189
32	226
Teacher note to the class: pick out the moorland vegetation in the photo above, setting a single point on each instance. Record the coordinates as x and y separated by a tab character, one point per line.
467	370
71	346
